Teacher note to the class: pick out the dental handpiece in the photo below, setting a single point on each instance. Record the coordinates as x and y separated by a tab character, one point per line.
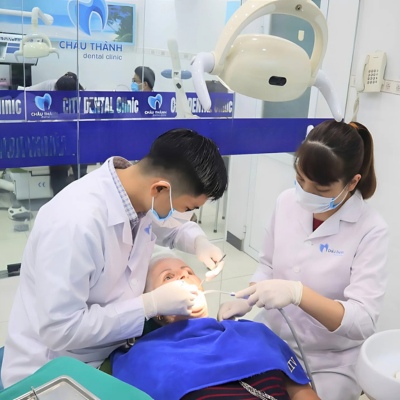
232	294
219	291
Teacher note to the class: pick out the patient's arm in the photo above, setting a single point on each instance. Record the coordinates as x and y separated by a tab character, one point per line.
300	392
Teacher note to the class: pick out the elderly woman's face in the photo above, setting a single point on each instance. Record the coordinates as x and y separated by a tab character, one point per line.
173	269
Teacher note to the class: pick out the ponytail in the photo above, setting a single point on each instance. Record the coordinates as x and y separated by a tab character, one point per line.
367	183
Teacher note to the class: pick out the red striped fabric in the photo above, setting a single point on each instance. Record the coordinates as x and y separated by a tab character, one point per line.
271	382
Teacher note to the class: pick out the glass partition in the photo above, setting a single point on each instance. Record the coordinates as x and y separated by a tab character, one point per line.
132	82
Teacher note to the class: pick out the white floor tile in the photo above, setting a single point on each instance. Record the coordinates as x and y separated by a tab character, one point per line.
12	243
212	224
237	263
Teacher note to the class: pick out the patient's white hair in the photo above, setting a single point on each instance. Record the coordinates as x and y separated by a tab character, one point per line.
158	255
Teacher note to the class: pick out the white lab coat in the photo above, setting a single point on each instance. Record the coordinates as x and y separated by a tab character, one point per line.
50	84
343	259
82	277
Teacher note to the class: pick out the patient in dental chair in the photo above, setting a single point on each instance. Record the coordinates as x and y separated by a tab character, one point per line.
198	357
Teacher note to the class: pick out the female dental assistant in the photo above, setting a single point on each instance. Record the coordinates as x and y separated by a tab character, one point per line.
324	256
85	263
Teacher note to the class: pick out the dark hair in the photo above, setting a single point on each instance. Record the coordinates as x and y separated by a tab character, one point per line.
336	151
146	74
191	162
69	81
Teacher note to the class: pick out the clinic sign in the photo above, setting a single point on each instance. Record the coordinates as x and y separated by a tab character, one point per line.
59	105
12	105
109	22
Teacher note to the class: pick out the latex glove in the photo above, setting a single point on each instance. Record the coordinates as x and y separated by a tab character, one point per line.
209	254
173	298
232	309
273	293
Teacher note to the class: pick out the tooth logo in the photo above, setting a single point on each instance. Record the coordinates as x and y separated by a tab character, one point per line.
85	10
148	229
323	247
155	102
43	103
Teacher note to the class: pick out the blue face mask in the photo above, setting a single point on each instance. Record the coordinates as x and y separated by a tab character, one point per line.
134	87
155	213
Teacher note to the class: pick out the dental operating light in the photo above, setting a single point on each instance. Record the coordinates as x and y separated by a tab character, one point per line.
36	45
267	67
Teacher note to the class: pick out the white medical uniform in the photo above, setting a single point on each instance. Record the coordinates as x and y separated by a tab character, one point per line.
343	259
82	277
50	84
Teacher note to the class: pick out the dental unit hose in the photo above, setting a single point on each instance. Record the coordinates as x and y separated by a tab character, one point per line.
289	322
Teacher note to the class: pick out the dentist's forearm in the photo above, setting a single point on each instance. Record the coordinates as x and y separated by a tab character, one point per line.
326	311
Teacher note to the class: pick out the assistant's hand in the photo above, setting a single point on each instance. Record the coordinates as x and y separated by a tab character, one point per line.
209	254
273	293
232	309
174	298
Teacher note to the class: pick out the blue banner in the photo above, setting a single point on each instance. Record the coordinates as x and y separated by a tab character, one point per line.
52	143
56	105
12	105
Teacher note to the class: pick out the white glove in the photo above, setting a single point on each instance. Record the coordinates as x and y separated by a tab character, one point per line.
209	254
232	309
273	293
173	298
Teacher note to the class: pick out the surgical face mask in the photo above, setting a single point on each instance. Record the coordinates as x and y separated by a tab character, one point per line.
167	221
134	87
314	203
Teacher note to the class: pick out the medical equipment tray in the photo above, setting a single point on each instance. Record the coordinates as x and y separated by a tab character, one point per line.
62	387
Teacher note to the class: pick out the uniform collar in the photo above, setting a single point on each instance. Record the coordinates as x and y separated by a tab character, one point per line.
116	213
349	212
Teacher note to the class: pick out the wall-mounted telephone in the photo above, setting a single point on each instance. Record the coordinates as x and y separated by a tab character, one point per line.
370	76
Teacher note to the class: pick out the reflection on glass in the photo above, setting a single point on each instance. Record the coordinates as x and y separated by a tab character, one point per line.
105	50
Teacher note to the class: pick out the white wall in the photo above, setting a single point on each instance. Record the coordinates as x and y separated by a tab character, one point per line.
378	29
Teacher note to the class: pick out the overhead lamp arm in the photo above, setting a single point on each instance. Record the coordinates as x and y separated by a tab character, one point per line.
34	15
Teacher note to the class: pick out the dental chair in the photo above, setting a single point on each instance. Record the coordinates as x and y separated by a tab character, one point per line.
25	184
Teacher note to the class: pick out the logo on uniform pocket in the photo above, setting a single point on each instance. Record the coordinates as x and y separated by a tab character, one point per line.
325	248
148	229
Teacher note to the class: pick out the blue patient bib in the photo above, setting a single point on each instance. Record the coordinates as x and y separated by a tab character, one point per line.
190	355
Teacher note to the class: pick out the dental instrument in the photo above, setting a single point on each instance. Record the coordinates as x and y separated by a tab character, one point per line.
213	273
219	291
